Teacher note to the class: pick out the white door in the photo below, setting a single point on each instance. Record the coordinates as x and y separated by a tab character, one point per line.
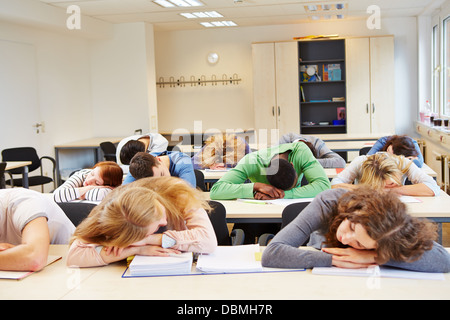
264	94
357	60
19	102
287	87
382	84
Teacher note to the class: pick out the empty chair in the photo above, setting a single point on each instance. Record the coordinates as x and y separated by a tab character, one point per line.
219	223
109	151
289	213
76	211
29	154
2	175
364	150
200	180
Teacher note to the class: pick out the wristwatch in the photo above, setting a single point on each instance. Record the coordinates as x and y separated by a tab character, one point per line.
167	242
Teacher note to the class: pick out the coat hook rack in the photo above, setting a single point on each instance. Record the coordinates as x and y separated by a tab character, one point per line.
201	81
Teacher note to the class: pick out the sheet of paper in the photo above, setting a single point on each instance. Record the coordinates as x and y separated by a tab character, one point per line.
383	272
231	259
409	199
18	275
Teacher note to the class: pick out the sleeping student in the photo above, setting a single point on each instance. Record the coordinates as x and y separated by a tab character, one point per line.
128	220
90	184
29	223
387	171
360	228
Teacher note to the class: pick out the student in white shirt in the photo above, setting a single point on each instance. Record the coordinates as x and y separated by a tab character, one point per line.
29	223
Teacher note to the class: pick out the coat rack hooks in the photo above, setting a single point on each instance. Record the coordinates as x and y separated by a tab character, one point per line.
200	81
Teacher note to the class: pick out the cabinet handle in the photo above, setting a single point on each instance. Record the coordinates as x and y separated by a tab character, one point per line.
367	108
273	111
279	111
373	107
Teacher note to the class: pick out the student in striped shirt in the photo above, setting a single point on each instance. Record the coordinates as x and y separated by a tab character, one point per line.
90	184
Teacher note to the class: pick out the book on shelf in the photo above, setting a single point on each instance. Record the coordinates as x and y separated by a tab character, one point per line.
334	72
309	73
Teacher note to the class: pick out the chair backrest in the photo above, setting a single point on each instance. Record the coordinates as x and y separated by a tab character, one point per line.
219	223
76	211
291	211
364	150
109	150
2	175
22	154
200	180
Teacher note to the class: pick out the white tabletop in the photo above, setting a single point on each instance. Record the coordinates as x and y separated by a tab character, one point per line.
57	281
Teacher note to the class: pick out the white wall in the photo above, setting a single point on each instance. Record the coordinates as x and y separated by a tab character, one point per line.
123	80
183	53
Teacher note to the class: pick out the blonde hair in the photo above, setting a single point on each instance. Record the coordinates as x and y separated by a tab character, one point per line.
382	166
222	148
124	215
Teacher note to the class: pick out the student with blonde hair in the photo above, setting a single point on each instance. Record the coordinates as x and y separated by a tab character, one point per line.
387	171
128	220
360	228
221	151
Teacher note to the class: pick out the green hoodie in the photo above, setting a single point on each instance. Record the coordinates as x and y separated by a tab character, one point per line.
253	167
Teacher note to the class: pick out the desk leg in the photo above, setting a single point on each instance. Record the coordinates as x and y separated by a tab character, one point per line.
25	177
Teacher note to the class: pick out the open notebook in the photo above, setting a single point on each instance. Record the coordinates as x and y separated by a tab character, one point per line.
225	259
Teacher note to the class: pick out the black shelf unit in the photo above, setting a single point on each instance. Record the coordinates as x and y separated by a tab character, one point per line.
317	108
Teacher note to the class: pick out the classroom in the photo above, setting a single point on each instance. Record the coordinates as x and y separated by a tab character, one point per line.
76	74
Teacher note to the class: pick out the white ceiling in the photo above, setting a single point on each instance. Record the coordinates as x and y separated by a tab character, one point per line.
242	12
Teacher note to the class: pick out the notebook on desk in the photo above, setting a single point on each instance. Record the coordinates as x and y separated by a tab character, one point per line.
224	260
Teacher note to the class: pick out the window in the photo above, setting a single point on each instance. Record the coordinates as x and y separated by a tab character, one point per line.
435	69
446	68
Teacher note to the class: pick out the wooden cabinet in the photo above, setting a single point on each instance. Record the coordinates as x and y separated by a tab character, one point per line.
276	86
364	93
370	85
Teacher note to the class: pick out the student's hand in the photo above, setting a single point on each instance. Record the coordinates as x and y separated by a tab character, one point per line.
351	258
348	186
267	192
218	166
156	251
5	246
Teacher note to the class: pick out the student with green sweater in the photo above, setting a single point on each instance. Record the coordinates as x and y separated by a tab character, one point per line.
274	173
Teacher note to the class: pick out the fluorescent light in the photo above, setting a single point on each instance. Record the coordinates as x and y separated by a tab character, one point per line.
207	24
207	14
218	24
311	8
164	3
178	3
188	15
194	3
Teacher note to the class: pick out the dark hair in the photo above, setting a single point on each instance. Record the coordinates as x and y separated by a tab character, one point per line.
129	149
141	165
399	236
401	146
281	174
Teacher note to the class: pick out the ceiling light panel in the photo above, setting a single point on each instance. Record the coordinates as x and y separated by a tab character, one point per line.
218	24
178	3
206	14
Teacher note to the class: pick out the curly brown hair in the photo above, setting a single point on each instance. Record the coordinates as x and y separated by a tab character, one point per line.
399	236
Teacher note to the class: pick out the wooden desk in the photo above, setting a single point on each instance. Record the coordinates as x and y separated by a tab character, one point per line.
10	165
213	175
436	209
57	281
91	145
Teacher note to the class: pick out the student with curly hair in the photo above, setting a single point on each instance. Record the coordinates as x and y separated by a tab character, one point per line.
360	228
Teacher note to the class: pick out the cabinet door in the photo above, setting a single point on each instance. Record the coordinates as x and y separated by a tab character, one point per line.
382	84
287	87
264	94
358	85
